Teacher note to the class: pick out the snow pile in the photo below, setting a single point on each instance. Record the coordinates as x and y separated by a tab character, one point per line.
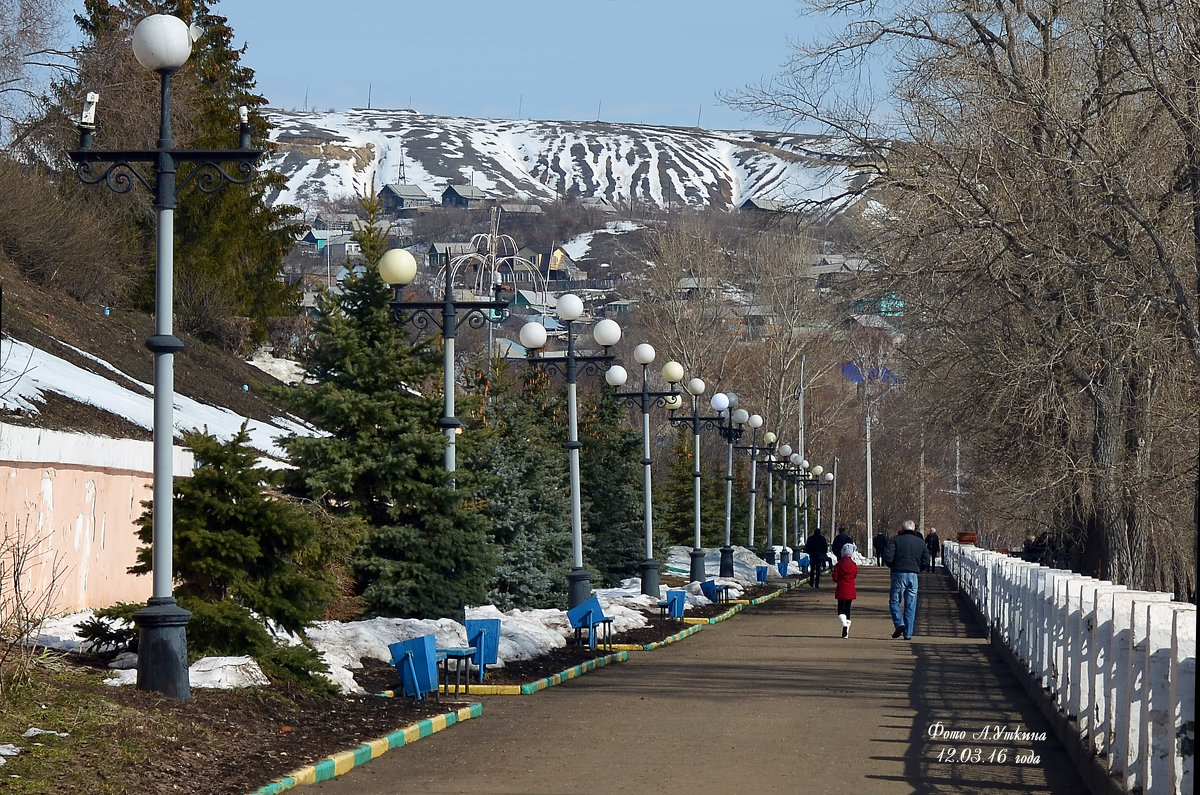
523	633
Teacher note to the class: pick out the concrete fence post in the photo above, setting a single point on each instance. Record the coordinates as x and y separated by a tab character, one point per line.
1156	754
1125	692
1183	703
1104	663
1097	626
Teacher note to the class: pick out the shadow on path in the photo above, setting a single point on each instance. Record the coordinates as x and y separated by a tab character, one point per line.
771	700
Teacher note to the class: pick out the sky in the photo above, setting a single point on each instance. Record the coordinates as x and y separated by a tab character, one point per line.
631	61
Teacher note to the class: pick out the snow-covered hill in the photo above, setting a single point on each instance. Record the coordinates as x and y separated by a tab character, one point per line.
341	154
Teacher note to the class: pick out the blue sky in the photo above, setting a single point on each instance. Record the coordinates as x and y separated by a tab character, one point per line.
641	61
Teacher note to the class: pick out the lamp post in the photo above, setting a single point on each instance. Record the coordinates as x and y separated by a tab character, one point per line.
398	268
695	388
817	478
533	336
162	44
733	420
769	440
672	373
755	422
781	465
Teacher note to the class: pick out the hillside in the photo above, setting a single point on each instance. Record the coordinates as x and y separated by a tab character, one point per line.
75	332
340	154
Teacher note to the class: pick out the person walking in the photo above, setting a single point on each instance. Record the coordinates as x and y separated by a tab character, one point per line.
906	555
843	575
817	548
880	545
934	545
839	540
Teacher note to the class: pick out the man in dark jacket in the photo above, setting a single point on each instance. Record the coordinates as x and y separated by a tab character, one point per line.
935	546
840	540
906	555
817	548
880	545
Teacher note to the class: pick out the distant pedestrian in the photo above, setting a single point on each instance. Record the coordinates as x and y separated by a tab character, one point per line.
880	545
817	548
906	555
835	546
934	545
843	574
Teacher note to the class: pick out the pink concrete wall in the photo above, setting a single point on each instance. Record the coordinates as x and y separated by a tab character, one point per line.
80	523
77	514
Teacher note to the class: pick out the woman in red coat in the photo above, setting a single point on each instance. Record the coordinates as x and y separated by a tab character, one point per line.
843	575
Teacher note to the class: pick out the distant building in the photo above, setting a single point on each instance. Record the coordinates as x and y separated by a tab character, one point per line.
755	204
467	197
521	209
828	270
440	254
598	203
619	307
690	288
336	222
563	268
403	199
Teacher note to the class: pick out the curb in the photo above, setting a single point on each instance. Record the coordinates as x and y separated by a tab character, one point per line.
651	646
732	611
337	764
760	600
550	681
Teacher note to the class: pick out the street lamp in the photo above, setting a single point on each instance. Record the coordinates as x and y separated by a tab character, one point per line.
733	421
672	373
816	479
606	333
398	268
769	440
755	422
162	44
777	462
800	499
719	402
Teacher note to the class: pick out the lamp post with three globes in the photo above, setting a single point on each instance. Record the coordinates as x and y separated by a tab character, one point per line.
645	398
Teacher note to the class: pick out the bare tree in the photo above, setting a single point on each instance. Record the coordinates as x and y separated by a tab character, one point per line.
27	56
1037	178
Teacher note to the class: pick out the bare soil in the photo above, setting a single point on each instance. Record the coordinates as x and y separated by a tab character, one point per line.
224	742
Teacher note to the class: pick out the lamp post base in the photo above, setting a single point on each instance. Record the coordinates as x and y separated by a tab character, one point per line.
785	556
770	558
162	648
726	561
650	578
579	587
697	573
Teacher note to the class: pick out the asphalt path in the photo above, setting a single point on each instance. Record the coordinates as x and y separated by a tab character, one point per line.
771	700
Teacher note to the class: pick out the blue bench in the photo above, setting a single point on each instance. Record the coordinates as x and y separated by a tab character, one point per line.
718	594
416	662
672	606
589	615
484	635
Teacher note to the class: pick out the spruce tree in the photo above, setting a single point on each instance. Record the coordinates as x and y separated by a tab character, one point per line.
611	488
426	553
526	495
678	494
242	555
229	243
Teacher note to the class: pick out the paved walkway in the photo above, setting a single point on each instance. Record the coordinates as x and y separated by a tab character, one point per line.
772	700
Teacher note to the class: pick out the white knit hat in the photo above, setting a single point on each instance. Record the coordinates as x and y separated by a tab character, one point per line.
848	550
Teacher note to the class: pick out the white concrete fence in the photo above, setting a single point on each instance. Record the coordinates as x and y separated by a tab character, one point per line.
1117	666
